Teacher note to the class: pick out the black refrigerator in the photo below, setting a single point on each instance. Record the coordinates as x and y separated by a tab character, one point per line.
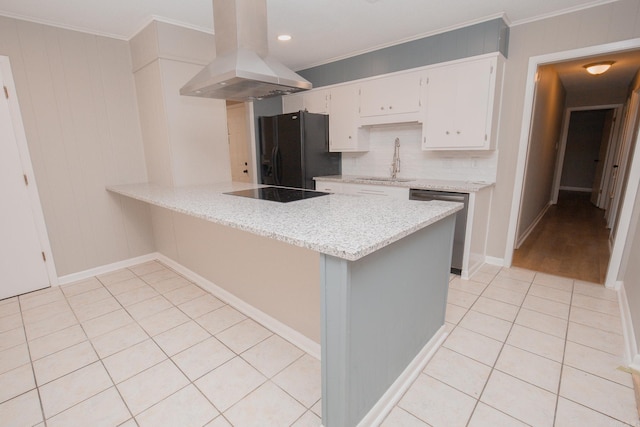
294	148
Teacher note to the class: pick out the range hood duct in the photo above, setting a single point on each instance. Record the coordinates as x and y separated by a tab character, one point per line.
243	69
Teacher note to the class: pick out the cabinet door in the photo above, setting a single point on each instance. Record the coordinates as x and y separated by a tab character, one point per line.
317	101
458	106
329	186
344	133
292	103
398	94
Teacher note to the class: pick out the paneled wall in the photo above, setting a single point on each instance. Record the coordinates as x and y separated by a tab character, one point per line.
78	104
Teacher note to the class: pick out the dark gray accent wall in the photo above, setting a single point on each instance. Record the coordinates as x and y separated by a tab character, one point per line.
478	39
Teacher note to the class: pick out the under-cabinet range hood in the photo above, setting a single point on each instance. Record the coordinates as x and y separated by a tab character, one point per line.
243	69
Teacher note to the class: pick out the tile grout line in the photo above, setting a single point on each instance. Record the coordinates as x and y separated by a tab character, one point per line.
97	354
33	372
493	367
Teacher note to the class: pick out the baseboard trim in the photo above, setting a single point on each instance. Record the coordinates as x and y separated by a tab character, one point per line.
532	226
631	346
286	332
578	189
392	396
491	260
107	268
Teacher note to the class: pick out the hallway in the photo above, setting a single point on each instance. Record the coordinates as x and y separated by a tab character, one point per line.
570	241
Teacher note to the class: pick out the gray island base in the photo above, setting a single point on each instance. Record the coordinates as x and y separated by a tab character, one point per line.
381	271
379	313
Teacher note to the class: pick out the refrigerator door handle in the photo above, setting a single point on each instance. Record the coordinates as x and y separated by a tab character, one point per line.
275	161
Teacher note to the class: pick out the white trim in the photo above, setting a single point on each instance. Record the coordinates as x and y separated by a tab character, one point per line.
492	260
392	396
523	145
631	354
108	268
62	26
533	225
625	215
27	167
562	12
286	332
579	189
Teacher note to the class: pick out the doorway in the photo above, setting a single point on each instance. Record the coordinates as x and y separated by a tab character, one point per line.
524	165
239	142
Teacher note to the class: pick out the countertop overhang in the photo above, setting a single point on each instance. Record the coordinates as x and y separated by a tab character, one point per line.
341	225
423	184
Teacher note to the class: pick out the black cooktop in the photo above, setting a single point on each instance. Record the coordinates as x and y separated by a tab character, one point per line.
278	194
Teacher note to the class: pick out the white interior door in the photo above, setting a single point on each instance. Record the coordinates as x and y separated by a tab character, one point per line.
622	159
239	143
22	267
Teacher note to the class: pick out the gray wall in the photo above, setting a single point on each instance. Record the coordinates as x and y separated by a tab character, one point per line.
485	37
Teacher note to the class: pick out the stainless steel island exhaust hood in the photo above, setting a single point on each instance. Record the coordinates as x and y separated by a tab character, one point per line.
243	69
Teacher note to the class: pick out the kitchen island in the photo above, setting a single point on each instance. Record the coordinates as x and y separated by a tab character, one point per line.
382	274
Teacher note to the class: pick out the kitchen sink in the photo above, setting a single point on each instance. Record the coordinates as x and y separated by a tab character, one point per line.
385	179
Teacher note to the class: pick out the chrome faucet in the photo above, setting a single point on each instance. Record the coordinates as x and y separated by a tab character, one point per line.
395	165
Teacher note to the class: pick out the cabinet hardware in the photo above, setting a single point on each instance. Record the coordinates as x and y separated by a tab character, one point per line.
26	180
44	257
6	92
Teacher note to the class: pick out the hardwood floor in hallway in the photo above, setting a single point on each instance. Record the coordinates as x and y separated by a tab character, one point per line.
571	240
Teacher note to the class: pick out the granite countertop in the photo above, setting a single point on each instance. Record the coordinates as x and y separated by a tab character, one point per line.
341	225
425	184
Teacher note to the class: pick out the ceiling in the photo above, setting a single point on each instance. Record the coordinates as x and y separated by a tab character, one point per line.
322	30
326	30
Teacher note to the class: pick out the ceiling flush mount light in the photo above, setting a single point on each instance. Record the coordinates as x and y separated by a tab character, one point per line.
598	68
284	37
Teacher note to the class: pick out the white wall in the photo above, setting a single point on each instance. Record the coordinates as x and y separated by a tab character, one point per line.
607	23
548	112
78	104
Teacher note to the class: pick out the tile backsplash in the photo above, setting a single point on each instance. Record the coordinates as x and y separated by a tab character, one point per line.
416	163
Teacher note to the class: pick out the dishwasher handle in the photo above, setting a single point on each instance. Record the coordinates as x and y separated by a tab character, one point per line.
429	195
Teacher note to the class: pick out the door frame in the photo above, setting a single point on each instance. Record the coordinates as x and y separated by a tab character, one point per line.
630	193
563	143
27	167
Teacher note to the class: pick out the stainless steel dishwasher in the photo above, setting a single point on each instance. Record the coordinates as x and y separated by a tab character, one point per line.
461	220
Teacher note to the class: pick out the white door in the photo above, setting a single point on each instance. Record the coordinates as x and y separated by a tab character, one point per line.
22	267
239	143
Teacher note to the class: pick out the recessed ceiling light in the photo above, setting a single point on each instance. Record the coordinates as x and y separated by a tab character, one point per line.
284	37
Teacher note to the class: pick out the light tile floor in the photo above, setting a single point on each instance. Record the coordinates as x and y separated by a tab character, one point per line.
145	347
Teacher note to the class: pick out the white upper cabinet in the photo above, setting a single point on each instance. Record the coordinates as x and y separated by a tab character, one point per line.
344	132
392	99
459	105
315	101
293	103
